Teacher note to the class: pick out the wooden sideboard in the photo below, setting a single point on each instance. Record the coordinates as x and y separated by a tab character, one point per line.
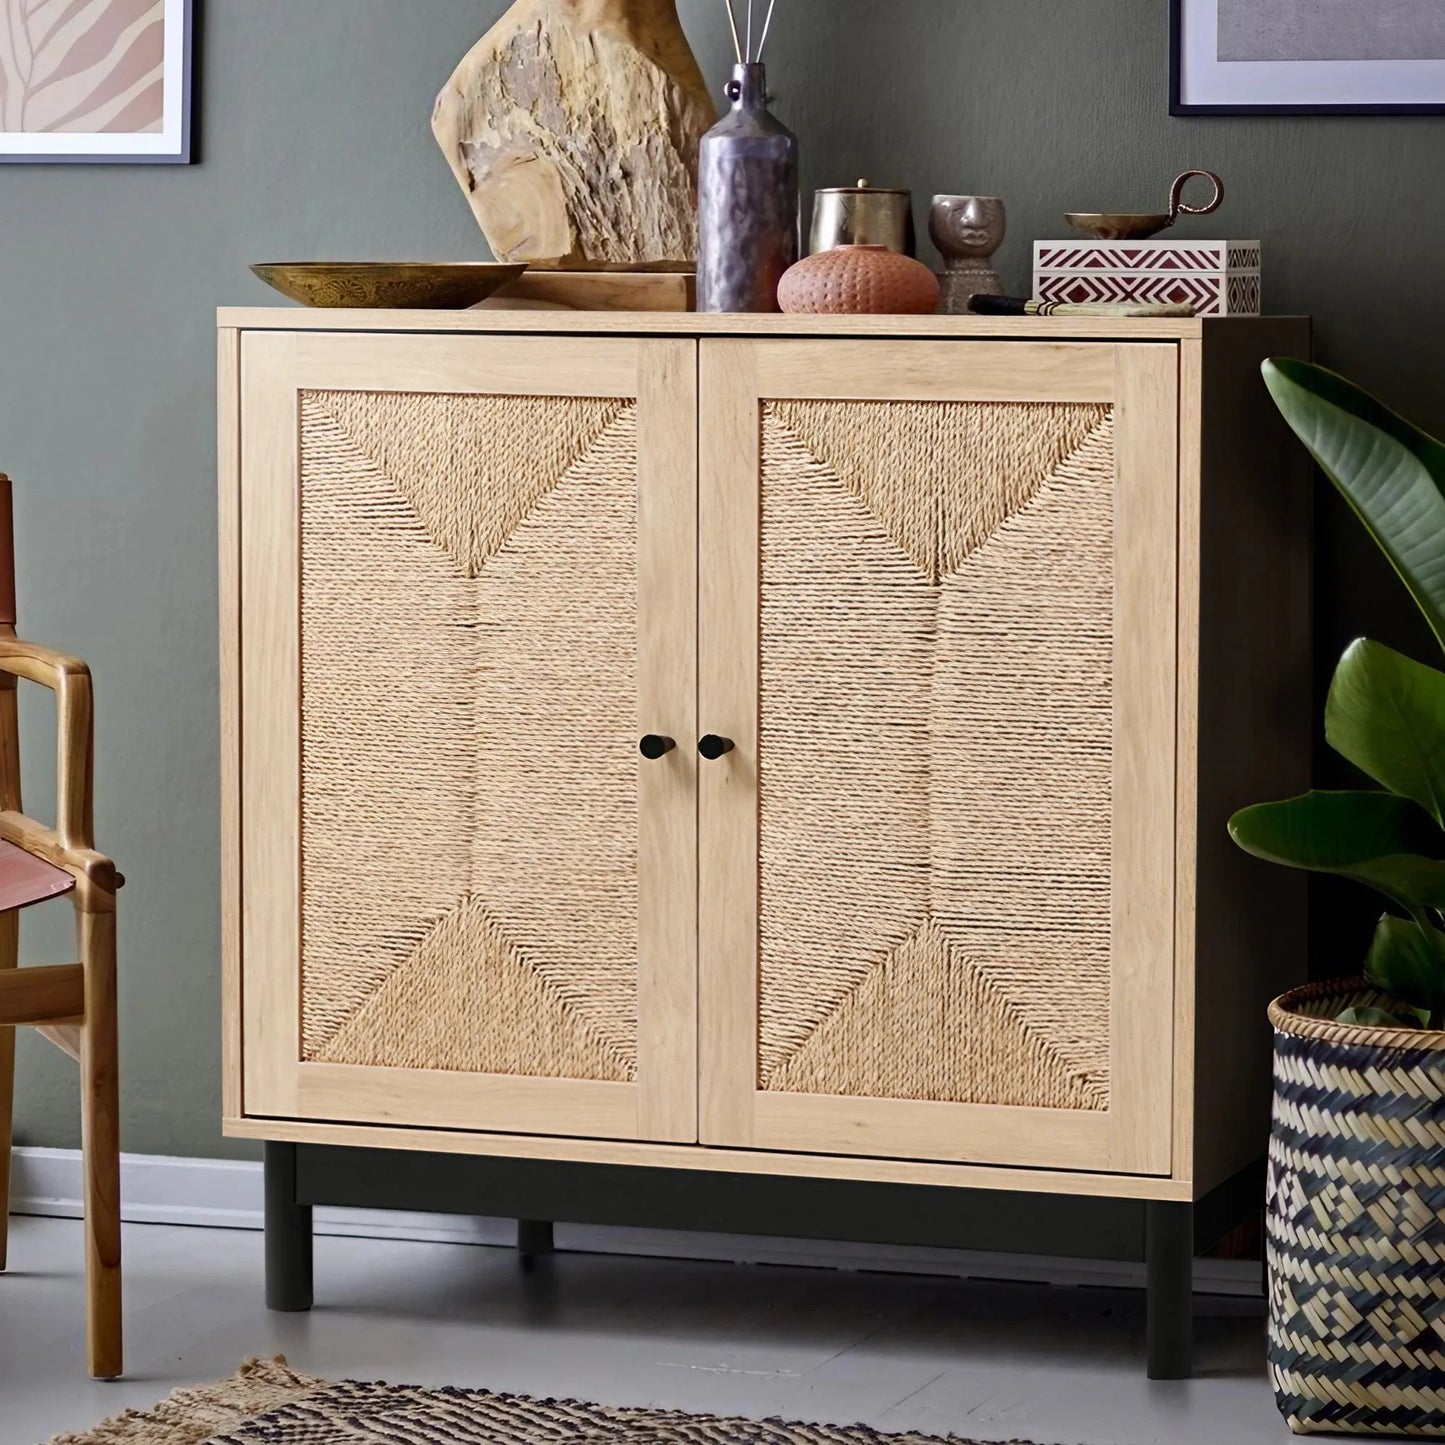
795	747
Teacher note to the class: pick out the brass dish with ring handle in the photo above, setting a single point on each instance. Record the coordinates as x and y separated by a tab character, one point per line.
1139	226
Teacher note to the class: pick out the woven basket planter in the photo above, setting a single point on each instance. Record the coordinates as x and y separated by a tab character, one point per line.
1356	1220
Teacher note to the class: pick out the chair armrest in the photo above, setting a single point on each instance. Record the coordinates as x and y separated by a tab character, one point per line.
69	679
39	664
85	864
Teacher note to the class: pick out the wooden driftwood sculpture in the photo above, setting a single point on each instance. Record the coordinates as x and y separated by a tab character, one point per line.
573	127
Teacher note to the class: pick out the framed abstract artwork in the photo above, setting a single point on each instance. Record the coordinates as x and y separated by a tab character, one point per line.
1307	57
95	80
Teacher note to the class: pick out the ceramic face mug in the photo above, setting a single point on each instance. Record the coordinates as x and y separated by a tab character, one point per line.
967	231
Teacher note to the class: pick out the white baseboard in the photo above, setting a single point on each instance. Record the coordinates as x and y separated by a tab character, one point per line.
227	1194
217	1194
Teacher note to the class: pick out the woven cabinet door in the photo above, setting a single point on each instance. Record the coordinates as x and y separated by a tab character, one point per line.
937	867
468	576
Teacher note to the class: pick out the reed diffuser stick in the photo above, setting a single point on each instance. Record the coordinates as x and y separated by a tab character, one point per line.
733	26
750	32
767	25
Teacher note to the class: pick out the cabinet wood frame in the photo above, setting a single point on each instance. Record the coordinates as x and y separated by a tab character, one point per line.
1141	381
1244	494
275	367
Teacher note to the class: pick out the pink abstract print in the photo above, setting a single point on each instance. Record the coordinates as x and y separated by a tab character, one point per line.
82	66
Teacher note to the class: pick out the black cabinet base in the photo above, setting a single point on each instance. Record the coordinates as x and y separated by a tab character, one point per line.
534	1239
1169	1288
1164	1235
288	1234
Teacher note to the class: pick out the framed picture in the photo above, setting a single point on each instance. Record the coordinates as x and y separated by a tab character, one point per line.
1307	57
95	80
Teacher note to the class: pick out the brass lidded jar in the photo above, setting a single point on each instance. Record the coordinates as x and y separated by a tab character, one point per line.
863	215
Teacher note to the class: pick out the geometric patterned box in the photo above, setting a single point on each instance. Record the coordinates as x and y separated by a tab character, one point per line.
1218	278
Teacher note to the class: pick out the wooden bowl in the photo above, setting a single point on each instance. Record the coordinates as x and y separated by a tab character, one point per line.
445	286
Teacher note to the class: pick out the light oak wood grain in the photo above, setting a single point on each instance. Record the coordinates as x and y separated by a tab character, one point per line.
645	323
584	1107
228	537
270	742
737	377
870	370
1141	980
667	705
921	1129
463	365
1198	943
662	376
728	516
1186	808
716	1160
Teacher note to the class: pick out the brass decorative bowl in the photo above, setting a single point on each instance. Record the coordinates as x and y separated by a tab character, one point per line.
1140	225
441	286
1119	225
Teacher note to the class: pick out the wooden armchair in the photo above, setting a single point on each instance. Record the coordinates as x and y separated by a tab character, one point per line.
74	1004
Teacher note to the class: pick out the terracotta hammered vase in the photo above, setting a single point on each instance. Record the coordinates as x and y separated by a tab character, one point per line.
859	281
1355	1219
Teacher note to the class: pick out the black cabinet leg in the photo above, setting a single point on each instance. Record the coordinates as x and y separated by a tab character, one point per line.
1169	1281
288	1234
534	1238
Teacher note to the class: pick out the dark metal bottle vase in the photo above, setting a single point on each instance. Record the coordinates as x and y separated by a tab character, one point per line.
748	227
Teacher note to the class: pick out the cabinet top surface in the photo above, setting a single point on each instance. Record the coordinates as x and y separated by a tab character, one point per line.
686	323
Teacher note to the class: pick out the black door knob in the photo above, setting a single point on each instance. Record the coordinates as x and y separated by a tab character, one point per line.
712	747
655	746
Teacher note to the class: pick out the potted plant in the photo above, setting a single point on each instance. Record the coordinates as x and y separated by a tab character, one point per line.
1356	1195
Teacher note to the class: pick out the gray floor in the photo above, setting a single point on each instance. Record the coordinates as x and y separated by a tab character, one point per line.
983	1361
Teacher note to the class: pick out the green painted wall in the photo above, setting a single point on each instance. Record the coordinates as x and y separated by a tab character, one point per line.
314	142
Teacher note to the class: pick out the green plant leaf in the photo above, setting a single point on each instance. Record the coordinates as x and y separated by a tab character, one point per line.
1391	473
1374	838
1386	714
1381	1018
1407	960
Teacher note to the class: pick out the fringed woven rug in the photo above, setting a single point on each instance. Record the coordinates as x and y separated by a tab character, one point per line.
268	1403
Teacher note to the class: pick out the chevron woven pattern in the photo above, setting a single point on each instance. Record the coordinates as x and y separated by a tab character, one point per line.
1356	1221
936	908
468	819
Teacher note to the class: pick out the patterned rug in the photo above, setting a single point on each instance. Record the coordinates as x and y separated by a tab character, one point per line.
268	1403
